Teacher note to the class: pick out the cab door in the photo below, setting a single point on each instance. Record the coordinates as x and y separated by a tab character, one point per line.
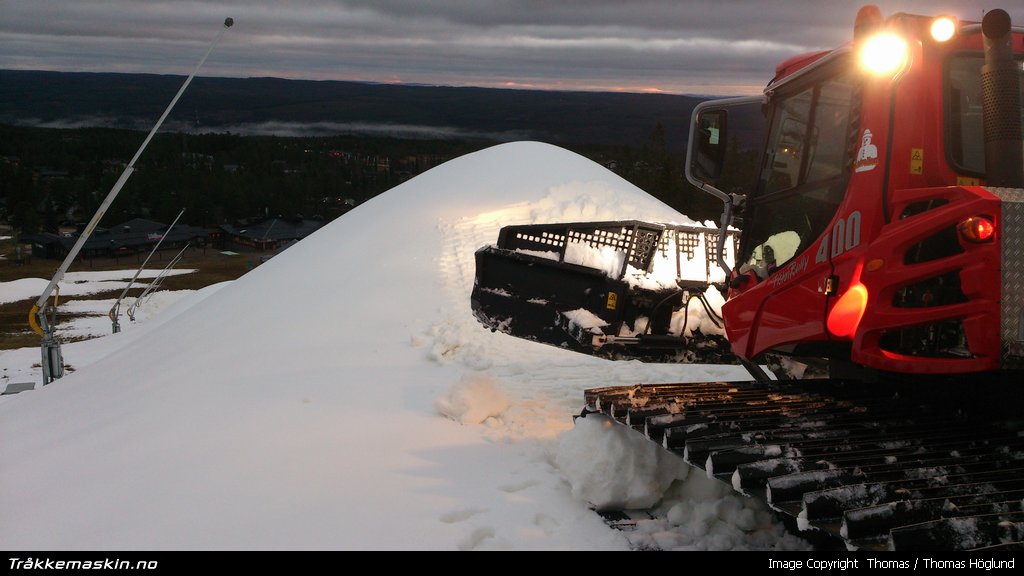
779	295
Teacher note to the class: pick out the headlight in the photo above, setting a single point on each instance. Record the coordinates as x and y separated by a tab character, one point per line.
943	28
884	53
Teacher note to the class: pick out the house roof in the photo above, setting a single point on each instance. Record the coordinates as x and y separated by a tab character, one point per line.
132	234
276	229
142	225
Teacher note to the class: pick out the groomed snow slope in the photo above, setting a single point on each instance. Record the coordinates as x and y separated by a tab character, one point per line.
299	407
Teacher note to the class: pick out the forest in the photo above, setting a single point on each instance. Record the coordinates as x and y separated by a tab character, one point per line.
51	177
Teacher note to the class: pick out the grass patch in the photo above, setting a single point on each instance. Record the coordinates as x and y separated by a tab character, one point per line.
211	267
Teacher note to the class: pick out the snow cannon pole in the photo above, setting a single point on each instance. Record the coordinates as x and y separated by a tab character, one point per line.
115	310
155	284
53	364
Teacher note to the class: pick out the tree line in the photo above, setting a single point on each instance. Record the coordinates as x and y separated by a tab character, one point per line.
50	177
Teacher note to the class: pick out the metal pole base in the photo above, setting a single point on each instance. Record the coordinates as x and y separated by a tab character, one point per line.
52	360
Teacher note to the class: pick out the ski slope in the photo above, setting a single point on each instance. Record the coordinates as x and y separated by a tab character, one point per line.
341	396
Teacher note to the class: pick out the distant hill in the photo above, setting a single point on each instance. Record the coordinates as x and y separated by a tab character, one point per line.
305	107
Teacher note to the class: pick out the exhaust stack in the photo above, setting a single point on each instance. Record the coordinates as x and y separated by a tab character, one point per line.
1000	82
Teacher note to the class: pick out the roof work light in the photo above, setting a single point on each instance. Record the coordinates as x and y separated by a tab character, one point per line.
883	53
943	28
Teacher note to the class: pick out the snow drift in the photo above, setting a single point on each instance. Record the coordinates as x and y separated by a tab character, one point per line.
613	468
298	406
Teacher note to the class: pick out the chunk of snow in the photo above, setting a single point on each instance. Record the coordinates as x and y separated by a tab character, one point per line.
604	258
802	523
612	467
704	514
696	316
584	318
545	254
472	400
737	481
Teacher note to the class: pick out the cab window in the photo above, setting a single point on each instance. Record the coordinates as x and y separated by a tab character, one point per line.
965	137
804	173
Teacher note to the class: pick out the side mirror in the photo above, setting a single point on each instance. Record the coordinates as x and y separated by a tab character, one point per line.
726	141
709	141
724	151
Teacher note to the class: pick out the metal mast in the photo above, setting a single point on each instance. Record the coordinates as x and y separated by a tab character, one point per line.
42	317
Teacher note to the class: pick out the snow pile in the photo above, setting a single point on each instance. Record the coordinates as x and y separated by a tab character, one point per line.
614	468
473	400
545	254
584	319
665	269
611	467
696	316
692	265
704	514
604	258
297	407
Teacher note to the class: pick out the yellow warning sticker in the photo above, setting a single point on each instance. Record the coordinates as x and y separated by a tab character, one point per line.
917	160
967	181
613	300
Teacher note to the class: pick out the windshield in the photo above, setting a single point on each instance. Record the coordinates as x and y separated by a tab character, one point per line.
805	172
965	144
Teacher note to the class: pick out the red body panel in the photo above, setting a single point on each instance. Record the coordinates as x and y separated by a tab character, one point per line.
978	269
905	116
787	307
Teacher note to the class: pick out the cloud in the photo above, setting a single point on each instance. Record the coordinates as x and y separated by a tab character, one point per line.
282	128
666	45
410	131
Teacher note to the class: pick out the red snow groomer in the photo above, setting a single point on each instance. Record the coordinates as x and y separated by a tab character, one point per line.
874	213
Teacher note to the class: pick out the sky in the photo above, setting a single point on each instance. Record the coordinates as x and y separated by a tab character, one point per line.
676	46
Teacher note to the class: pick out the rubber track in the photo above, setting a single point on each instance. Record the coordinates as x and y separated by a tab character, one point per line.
880	467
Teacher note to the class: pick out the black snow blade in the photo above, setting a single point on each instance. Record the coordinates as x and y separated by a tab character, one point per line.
589	287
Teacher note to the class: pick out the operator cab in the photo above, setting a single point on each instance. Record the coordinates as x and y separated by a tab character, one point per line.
867	151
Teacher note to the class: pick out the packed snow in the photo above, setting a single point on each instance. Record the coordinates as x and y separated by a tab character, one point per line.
342	396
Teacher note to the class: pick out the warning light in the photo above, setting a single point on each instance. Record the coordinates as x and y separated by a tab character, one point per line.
849	309
977	229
